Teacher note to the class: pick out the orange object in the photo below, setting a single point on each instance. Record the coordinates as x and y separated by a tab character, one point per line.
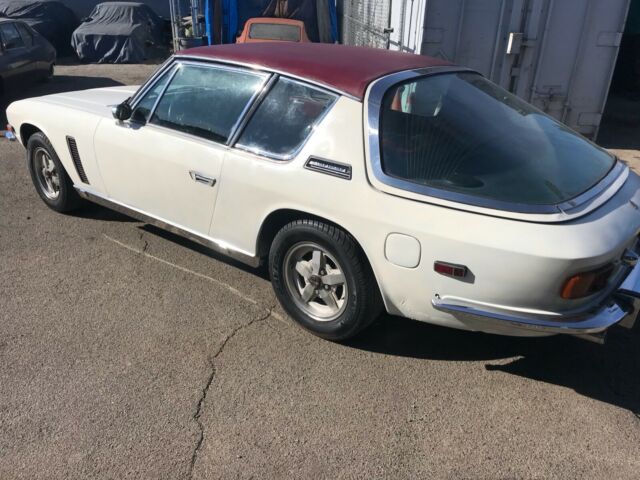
586	283
273	30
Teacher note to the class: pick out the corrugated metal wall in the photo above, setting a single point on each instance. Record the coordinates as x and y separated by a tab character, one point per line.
557	54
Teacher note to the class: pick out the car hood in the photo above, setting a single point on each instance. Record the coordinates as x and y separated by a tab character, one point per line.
97	100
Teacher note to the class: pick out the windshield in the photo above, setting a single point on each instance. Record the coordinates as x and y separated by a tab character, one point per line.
462	133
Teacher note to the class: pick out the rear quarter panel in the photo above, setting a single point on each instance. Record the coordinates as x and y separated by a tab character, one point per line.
514	264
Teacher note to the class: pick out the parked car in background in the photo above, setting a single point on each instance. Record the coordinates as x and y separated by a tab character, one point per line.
25	55
118	32
51	19
366	179
272	30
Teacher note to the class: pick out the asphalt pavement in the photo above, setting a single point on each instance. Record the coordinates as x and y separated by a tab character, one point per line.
128	352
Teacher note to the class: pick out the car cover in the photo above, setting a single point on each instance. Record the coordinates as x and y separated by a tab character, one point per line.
51	19
118	32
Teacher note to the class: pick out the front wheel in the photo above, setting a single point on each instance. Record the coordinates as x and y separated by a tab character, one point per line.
323	279
49	176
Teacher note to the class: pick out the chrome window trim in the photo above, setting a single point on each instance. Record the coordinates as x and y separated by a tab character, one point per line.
271	77
239	121
374	104
151	81
253	66
170	74
252	107
294	153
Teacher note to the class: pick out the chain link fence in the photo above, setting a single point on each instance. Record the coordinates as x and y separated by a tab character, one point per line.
364	23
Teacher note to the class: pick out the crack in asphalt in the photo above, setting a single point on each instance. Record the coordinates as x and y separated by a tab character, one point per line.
210	378
211	360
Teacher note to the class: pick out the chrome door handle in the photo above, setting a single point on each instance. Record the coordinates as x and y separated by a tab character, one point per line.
198	177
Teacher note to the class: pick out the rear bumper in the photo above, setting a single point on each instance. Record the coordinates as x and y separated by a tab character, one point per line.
621	308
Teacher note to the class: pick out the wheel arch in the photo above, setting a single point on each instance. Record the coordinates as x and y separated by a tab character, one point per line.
27	130
277	219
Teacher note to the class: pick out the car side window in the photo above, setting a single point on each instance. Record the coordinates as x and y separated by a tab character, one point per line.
25	33
10	36
206	101
143	108
285	119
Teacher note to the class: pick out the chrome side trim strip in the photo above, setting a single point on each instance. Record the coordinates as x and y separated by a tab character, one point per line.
216	245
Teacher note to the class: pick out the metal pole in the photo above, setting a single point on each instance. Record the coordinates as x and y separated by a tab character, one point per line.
174	33
195	26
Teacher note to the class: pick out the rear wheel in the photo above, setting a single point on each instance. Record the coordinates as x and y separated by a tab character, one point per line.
49	176
323	280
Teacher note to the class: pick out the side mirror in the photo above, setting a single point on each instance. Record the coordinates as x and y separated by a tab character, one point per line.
122	112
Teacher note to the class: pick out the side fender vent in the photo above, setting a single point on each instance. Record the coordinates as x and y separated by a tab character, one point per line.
75	155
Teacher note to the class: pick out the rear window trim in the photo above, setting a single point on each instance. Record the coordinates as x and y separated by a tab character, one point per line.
374	101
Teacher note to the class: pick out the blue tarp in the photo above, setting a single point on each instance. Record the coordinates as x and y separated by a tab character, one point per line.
226	18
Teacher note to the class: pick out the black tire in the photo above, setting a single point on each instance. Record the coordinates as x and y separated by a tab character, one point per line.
48	75
362	305
67	198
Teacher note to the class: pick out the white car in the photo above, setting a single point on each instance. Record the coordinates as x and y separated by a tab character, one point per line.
367	179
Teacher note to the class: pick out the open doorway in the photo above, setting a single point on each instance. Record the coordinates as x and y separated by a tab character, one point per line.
620	127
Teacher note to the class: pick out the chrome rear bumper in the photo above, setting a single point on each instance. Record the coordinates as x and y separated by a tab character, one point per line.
621	308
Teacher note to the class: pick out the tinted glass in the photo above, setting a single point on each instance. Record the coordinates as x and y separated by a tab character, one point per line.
144	106
285	118
27	36
206	101
10	36
463	133
274	31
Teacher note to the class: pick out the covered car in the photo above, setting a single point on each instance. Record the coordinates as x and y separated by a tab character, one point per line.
118	32
53	20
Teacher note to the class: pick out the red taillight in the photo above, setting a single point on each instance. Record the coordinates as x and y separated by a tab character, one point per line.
586	283
450	269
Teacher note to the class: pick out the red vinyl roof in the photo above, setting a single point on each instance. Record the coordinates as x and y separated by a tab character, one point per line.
341	67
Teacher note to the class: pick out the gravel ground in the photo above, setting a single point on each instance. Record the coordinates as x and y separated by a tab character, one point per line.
127	352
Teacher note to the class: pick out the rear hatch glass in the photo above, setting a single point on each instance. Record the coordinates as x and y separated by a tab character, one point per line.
461	133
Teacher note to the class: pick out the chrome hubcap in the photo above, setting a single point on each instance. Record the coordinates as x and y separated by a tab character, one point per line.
47	174
316	281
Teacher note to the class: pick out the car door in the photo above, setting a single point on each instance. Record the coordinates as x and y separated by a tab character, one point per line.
167	159
14	54
36	59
